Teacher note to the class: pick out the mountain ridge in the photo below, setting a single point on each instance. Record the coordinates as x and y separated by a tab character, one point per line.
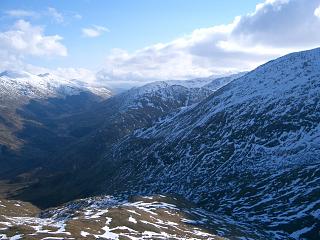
248	151
234	141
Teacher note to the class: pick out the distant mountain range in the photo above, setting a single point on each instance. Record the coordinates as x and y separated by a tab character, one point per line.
17	88
245	148
29	107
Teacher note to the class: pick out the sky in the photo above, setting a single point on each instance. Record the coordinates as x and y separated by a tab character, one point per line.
145	40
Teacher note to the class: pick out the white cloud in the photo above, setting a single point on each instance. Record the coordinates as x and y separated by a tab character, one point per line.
49	12
317	12
19	13
94	31
275	28
77	16
24	39
57	16
80	74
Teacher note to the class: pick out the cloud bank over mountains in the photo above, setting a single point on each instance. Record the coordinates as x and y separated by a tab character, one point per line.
275	28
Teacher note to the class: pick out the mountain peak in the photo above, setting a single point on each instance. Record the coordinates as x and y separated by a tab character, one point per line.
43	74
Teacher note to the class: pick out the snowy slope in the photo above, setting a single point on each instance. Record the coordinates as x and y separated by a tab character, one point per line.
249	151
162	91
198	89
106	217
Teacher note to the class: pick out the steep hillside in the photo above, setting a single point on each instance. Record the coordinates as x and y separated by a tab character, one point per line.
251	150
120	115
111	120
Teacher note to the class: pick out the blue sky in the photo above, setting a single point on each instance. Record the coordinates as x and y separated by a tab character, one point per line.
148	40
132	24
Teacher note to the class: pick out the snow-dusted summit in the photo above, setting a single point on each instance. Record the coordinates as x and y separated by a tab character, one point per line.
19	88
22	85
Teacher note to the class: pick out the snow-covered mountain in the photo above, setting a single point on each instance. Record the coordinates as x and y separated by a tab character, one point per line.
22	85
249	151
163	90
29	103
243	149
